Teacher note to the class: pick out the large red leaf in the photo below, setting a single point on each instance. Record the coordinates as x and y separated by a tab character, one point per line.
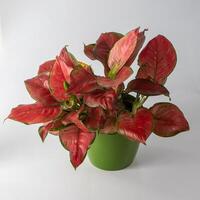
59	80
168	120
146	87
39	90
122	50
104	98
76	142
46	67
34	113
95	118
82	81
157	60
137	127
122	75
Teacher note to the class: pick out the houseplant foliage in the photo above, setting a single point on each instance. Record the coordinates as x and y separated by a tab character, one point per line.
74	104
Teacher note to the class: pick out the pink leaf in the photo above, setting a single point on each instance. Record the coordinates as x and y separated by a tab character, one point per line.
140	42
38	89
122	50
95	118
100	50
59	80
76	142
73	117
46	67
82	81
34	113
122	75
168	120
137	127
104	44
110	126
67	58
57	124
85	66
104	98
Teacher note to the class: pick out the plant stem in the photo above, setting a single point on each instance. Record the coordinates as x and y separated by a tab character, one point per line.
135	107
137	97
143	99
138	102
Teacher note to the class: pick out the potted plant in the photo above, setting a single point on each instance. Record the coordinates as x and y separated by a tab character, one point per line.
86	110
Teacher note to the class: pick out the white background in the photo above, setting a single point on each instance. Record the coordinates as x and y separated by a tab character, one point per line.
34	31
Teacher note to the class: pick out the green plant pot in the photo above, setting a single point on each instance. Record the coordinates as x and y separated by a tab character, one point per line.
112	152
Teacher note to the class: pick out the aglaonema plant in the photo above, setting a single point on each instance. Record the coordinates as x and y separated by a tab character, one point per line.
74	104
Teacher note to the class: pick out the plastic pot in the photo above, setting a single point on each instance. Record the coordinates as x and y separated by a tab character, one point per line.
112	152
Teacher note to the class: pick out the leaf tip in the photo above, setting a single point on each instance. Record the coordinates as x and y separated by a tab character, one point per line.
74	164
5	119
75	167
42	134
42	138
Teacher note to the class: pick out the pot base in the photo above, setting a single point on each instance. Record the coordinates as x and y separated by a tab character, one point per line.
112	152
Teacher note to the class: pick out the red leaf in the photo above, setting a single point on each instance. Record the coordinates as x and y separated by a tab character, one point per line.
89	51
46	67
85	66
157	60
73	117
104	44
104	98
137	127
57	124
122	75
122	50
34	113
76	142
59	77
120	89
101	49
82	82
95	118
68	58
43	130
39	90
168	120
110	126
146	87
